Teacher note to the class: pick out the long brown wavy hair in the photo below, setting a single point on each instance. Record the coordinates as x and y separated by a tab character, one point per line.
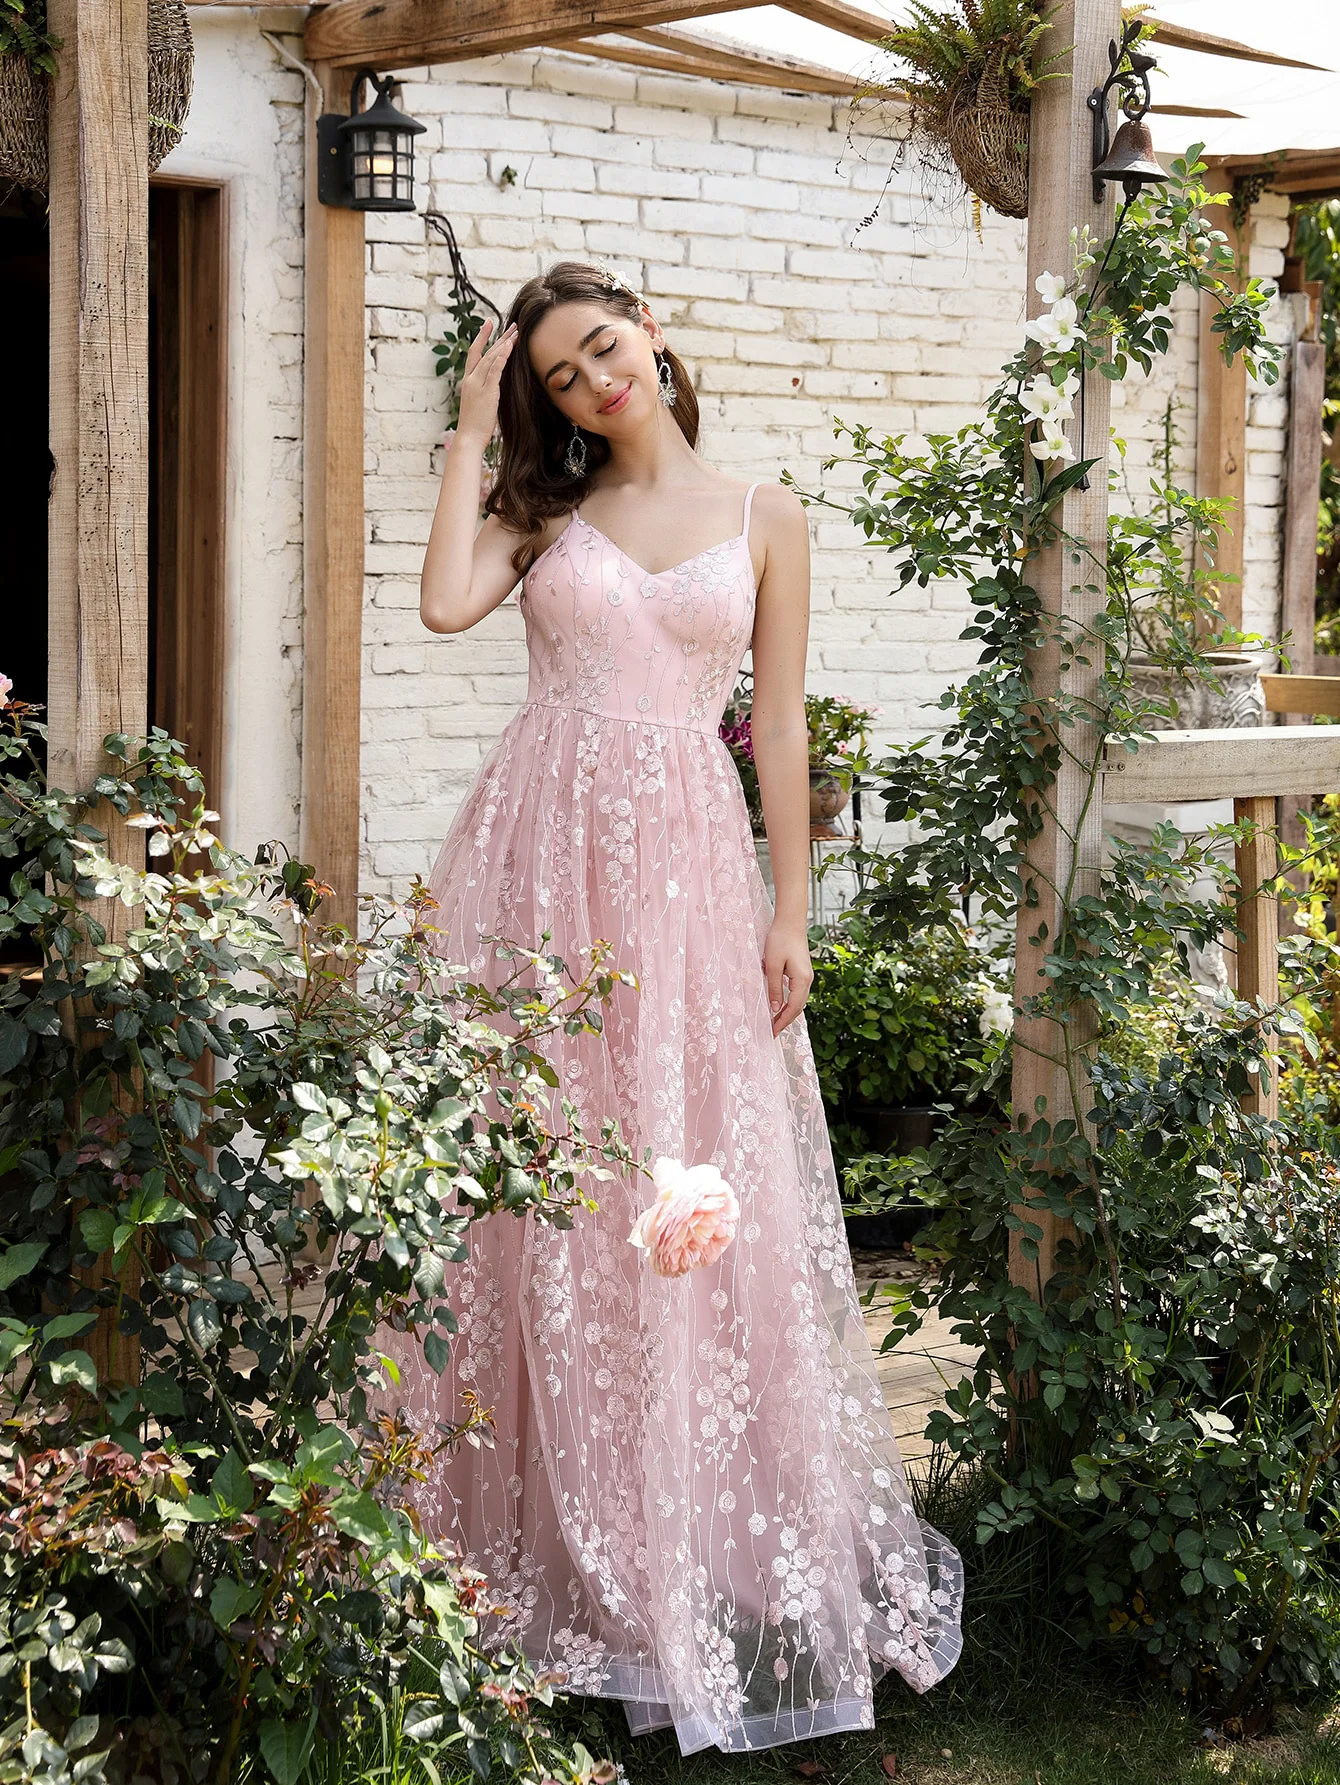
532	484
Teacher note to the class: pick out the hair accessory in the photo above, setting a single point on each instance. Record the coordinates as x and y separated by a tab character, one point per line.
574	459
666	388
617	283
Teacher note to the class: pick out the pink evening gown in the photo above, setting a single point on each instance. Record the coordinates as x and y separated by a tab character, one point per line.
695	1503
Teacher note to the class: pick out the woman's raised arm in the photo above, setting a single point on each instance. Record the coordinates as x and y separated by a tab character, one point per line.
467	573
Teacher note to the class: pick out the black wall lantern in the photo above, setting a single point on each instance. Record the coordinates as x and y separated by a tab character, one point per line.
1129	156
365	161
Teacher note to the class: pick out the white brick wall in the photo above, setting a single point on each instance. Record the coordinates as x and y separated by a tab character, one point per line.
737	211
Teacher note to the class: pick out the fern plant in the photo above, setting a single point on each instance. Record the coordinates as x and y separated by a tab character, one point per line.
991	43
23	32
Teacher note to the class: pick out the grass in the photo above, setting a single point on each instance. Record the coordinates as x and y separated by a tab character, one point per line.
1070	1731
1023	1707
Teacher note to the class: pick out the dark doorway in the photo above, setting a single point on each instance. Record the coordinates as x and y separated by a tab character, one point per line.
23	563
186	472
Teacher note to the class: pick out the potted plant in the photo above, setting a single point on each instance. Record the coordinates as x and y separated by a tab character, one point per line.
895	1032
28	61
1186	665
975	70
837	733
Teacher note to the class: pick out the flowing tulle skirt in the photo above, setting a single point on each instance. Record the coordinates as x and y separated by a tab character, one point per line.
694	1502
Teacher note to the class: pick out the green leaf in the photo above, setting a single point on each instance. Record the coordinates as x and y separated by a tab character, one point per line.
96	1227
286	1748
74	1366
230	1600
317	1454
359	1516
161	1394
422	1721
67	1326
1218	1572
232	1486
453	1626
19	1260
435	1351
205	1324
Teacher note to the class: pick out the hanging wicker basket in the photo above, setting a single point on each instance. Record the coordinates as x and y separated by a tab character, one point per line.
988	140
24	101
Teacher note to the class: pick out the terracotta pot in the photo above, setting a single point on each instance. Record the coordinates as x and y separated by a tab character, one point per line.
828	796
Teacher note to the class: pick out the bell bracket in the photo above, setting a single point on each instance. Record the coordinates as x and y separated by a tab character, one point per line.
1130	76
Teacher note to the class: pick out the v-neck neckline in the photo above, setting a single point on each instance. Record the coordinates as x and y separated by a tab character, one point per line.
670	570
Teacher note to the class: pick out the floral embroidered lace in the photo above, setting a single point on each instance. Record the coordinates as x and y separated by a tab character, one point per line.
694	1502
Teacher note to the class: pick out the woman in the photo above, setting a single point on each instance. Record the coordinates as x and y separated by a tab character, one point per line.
694	1502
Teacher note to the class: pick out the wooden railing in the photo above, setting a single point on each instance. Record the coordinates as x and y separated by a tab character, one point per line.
1255	769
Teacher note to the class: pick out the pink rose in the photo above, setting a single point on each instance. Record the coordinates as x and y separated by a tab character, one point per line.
692	1220
5	685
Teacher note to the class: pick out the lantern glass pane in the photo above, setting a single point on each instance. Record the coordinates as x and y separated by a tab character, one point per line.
382	164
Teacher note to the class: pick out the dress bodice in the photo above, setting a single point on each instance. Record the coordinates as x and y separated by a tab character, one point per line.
606	636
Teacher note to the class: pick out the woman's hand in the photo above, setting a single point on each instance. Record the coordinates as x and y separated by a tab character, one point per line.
786	957
479	383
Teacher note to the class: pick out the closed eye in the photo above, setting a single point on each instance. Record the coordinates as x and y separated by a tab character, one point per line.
599	353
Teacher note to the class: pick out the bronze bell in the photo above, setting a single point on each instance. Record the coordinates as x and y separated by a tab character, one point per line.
1131	159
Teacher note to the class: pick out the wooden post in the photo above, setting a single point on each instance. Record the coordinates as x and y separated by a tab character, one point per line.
1258	919
1298	616
1221	419
1065	859
332	529
1298	597
98	551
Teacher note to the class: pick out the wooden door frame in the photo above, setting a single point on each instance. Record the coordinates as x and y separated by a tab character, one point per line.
190	625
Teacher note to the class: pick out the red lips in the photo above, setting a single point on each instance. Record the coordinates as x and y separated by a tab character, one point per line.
616	403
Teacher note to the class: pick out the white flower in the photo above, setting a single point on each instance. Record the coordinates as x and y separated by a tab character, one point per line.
1046	401
1050	287
997	1012
1052	445
1059	329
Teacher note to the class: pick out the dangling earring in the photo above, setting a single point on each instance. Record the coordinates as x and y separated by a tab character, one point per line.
574	459
666	389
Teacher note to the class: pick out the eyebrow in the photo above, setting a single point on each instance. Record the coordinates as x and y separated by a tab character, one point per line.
558	365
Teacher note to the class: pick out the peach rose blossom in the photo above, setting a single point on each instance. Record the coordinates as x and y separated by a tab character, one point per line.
692	1220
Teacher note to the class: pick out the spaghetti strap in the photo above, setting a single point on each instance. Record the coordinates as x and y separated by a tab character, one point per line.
748	504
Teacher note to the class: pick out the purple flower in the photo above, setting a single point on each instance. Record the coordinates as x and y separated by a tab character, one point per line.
738	737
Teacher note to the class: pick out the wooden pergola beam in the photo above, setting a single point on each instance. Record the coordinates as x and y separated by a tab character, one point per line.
682	52
411	33
1182	37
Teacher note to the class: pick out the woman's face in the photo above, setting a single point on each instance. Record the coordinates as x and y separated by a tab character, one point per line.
598	367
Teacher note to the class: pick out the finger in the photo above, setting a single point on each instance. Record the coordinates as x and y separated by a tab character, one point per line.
795	1003
797	995
498	355
475	351
772	971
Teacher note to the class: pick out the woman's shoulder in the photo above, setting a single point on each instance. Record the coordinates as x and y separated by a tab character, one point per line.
778	512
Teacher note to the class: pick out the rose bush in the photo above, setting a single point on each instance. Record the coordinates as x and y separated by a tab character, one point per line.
233	1143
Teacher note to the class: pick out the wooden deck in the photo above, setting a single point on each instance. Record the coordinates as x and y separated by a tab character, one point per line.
915	1376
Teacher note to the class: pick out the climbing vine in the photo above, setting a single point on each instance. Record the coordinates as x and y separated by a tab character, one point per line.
1161	1421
